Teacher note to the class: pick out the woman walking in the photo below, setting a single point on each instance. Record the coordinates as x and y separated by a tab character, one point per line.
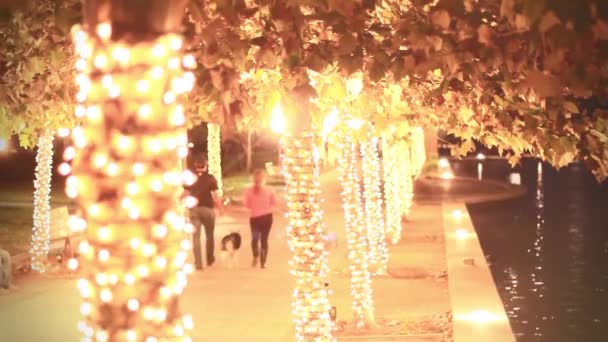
260	201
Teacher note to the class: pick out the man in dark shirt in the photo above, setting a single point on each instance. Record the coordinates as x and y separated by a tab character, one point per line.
205	190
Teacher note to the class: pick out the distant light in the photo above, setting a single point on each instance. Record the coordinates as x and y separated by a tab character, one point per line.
63	132
354	85
355	123
515	178
4	145
457	214
277	120
444	163
481	156
447	175
331	121
462	233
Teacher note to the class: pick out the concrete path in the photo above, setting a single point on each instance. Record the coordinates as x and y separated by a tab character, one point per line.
253	304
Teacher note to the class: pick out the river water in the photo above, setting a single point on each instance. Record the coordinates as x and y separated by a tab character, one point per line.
548	251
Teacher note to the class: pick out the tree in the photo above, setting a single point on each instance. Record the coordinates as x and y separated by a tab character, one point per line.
132	75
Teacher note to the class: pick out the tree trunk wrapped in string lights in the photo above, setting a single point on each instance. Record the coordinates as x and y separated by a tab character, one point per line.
374	220
42	197
391	194
306	239
127	182
418	151
356	236
405	177
214	153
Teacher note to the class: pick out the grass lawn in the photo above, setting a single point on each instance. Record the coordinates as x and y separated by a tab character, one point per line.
234	185
16	221
24	192
15	229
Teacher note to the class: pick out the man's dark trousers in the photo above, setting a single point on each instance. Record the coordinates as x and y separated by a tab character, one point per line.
200	217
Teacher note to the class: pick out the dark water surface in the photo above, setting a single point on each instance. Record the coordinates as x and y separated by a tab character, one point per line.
548	251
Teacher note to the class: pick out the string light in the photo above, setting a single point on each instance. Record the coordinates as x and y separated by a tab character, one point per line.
418	153
126	163
215	153
374	220
356	238
391	194
306	232
42	196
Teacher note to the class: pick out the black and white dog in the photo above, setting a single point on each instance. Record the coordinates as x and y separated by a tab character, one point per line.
231	243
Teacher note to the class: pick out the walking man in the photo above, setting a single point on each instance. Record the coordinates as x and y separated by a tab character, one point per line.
205	190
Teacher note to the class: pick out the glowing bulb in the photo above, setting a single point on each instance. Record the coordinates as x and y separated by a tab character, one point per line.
112	169
104	31
173	63
133	304
175	43
86	309
143	271
142	86
64	169
148	249
72	264
121	54
105	295
158	51
80	111
100	61
100	160
63	132
106	81
145	111
69	153
160	231
129	279
131	335
189	62
132	188
138	169
169	97
104	255
157	72
114	91
188	178
481	156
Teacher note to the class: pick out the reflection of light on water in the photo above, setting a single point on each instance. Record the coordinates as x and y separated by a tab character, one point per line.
479	316
515	178
479	171
536	277
577	217
457	214
462	234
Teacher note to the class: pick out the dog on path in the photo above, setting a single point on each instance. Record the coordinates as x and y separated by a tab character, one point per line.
231	243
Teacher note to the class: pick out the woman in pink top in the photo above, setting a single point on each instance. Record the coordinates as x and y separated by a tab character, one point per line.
261	202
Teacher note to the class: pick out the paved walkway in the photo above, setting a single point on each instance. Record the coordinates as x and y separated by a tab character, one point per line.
231	305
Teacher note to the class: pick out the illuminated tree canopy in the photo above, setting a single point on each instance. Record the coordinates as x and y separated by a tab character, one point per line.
514	74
